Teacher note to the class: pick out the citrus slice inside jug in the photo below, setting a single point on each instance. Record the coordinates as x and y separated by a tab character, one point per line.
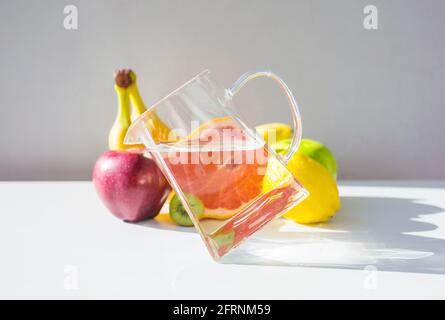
227	170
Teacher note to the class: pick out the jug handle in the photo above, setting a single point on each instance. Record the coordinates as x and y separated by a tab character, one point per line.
296	118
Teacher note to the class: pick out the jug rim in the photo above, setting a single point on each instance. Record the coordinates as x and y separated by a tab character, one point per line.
200	74
136	122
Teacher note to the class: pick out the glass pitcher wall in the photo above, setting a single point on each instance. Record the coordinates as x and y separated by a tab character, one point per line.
228	182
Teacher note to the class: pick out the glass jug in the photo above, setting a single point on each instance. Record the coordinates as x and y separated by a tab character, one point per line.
228	182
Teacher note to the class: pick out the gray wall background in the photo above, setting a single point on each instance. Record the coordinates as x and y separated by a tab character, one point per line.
376	98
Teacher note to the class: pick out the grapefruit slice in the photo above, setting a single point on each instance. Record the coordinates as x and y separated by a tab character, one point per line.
226	171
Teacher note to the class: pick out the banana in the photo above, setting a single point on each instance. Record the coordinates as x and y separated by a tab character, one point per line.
119	129
158	129
123	121
274	132
135	98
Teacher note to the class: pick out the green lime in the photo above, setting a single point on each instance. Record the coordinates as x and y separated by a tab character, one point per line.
314	150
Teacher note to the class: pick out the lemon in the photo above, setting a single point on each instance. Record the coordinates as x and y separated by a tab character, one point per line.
274	131
319	152
323	200
276	175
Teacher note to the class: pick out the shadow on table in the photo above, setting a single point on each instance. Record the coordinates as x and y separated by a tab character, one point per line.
427	184
368	231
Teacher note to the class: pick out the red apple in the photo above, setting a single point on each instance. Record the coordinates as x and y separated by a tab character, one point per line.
130	184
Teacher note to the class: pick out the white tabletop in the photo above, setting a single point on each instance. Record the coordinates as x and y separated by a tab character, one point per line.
58	241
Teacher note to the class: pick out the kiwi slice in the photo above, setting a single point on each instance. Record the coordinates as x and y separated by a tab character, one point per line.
224	239
178	213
